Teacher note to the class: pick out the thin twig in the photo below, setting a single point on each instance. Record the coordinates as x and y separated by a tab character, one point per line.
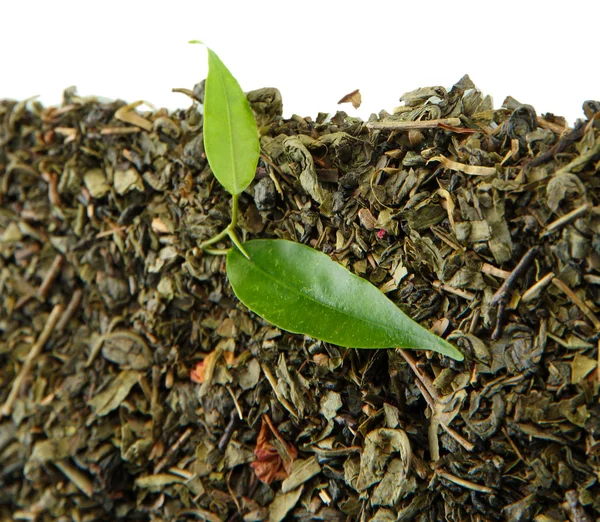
578	302
500	316
229	429
35	350
235	402
114	230
233	494
176	445
534	291
284	402
76	476
566	141
434	400
514	446
411	125
505	291
72	307
555	128
51	275
46	285
564	220
462	482
492	270
465	294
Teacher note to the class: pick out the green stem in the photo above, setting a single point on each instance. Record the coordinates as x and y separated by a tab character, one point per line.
234	212
229	231
224	232
214	239
217	251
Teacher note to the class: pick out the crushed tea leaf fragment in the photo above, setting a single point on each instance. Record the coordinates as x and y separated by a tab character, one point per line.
353	97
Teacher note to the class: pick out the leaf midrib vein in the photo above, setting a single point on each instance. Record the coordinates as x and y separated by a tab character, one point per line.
230	127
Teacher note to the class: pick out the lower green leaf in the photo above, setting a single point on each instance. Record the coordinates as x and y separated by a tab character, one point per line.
302	290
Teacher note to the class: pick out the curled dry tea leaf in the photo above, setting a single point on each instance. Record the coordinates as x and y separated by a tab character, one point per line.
128	115
303	291
473	170
230	133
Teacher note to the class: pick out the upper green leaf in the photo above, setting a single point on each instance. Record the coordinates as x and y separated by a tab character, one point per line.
230	134
302	290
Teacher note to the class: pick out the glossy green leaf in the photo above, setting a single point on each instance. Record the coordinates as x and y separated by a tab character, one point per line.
230	134
302	290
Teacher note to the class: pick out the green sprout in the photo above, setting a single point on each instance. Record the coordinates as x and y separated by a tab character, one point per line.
291	285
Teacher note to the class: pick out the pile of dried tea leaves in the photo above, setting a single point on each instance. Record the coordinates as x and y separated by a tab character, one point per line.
133	384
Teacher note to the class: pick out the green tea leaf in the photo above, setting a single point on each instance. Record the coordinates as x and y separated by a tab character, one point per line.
230	133
303	291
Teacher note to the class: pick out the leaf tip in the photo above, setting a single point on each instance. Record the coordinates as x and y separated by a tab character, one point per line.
196	42
454	353
458	356
243	251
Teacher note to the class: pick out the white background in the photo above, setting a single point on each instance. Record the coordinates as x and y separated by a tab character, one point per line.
542	53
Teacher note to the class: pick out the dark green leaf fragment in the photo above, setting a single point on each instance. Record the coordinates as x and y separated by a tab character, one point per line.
302	290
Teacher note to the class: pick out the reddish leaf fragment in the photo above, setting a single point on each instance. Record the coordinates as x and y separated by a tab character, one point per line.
274	455
197	373
202	369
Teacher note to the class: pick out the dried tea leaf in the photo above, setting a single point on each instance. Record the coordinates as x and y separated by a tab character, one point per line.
56	449
128	180
383	447
236	454
158	482
292	388
367	219
331	402
353	97
283	504
127	114
299	155
197	374
115	393
395	484
266	104
581	366
472	170
302	470
564	186
127	351
96	182
76	476
250	375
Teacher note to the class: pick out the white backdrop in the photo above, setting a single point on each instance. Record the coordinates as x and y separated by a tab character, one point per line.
313	51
